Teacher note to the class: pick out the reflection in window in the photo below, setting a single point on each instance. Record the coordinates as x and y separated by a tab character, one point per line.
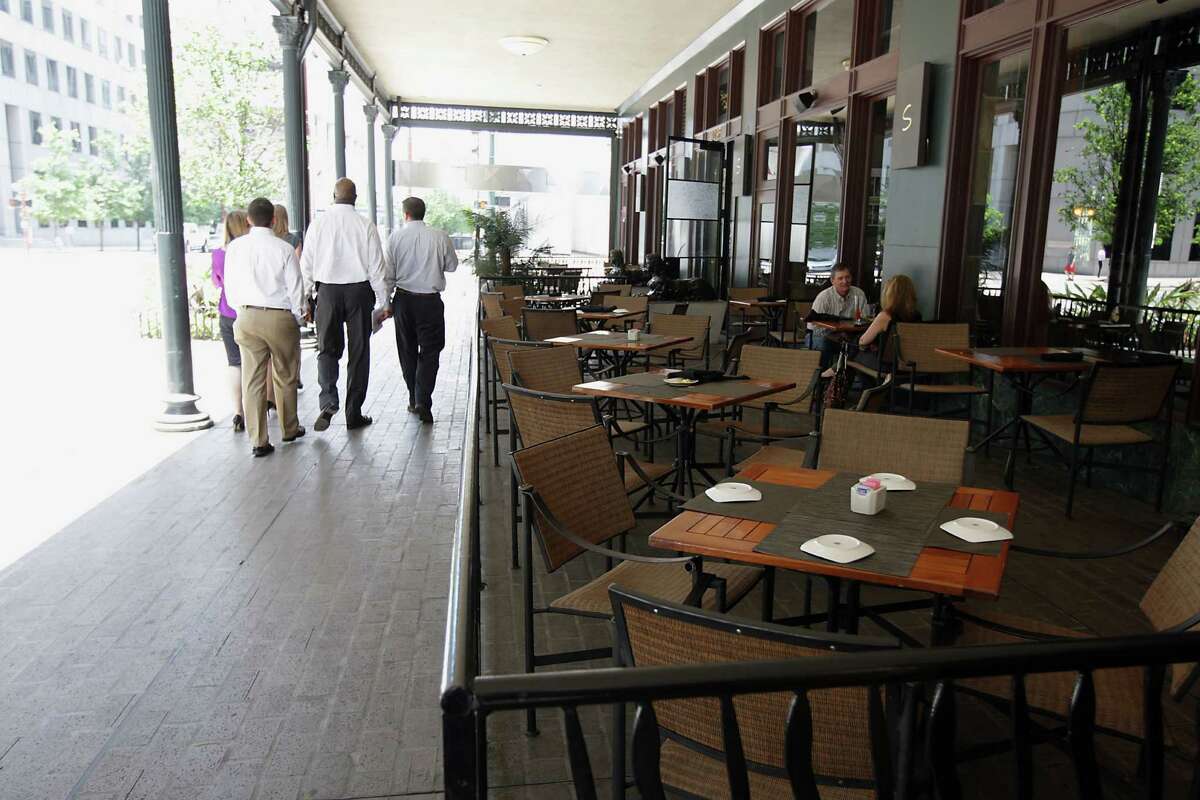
723	93
816	202
889	26
875	222
993	183
827	42
766	243
772	160
778	48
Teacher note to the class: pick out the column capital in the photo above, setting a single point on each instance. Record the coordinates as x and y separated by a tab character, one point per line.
338	78
290	30
371	111
389	131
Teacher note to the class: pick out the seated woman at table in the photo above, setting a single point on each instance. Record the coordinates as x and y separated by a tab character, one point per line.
898	303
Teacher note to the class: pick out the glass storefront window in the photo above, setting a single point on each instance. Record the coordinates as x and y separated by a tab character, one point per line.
778	49
875	220
723	93
766	242
772	160
888	32
827	42
993	185
816	203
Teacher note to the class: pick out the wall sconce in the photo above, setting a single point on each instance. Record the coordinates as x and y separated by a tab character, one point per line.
625	169
805	100
659	158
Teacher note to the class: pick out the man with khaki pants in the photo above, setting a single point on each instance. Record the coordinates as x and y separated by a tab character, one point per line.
262	281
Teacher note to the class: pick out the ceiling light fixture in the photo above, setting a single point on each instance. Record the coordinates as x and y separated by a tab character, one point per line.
524	45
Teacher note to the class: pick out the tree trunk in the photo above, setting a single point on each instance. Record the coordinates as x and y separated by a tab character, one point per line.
505	261
137	236
100	225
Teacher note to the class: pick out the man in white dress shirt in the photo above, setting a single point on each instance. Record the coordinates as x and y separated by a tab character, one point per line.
842	299
419	258
343	259
262	281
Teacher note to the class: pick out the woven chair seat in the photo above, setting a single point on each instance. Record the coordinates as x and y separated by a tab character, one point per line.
1063	427
700	775
665	581
776	455
940	388
782	425
653	472
628	427
1118	691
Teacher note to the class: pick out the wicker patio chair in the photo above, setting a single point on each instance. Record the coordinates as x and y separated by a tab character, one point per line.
513	307
745	315
575	502
500	328
733	352
795	326
542	324
491	304
619	289
500	349
639	304
1114	398
839	742
681	325
775	418
1128	700
512	291
922	449
924	371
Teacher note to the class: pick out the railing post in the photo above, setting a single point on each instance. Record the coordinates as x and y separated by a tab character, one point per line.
460	756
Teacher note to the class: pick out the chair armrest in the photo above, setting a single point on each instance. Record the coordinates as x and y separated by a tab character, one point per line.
693	562
1094	554
624	458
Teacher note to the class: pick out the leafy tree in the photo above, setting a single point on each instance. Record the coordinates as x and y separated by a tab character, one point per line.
59	183
119	186
230	125
1094	182
444	211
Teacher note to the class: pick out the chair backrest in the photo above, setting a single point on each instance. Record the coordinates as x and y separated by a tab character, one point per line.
620	289
715	311
577	479
500	328
1173	600
683	325
542	416
917	343
919	448
780	364
1121	394
634	303
501	348
545	369
513	307
747	293
600	298
512	291
733	352
847	734
491	304
542	324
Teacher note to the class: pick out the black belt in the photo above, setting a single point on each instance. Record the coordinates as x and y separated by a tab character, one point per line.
267	308
415	294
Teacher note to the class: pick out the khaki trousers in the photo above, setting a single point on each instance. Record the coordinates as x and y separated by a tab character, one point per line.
268	337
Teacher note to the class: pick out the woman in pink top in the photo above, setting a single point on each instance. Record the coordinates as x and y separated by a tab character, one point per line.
235	225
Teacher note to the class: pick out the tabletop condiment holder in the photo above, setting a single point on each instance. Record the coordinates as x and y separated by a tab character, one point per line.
868	496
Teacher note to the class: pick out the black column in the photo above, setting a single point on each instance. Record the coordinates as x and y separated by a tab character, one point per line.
181	413
338	78
371	111
291	30
389	211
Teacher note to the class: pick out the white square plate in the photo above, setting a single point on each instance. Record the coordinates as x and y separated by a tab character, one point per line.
835	547
733	493
976	530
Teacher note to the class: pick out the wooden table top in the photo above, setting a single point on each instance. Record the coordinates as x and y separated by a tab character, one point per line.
842	325
617	340
703	397
598	316
762	303
946	572
1020	359
559	298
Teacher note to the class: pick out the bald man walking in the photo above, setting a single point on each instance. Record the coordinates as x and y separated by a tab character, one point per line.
343	260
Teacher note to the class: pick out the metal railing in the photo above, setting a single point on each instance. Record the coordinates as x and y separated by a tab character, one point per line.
468	698
1167	330
565	275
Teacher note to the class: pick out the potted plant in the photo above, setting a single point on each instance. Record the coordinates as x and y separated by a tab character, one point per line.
502	234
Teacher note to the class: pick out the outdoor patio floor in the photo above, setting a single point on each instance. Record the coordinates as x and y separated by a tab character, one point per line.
225	627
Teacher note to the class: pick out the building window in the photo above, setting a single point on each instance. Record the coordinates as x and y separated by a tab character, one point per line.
7	66
121	97
47	16
89	87
35	127
56	122
52	75
106	94
76	138
27	11
102	42
132	56
827	42
85	34
887	28
31	71
68	26
72	82
93	141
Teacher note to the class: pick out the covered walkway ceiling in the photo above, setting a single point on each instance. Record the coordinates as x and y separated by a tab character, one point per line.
599	53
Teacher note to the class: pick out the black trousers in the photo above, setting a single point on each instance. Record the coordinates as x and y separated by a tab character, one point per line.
349	306
420	322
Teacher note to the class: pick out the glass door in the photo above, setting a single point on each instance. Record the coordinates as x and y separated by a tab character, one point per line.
694	214
878	181
816	212
763	272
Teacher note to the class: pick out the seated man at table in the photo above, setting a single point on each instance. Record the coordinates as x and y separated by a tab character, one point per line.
898	303
842	299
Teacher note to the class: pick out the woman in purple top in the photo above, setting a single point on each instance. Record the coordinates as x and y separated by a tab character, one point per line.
235	225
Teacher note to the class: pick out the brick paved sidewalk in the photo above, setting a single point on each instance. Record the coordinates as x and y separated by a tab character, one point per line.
228	627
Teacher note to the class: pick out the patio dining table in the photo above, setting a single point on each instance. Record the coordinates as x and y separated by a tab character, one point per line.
773	310
946	571
598	319
622	349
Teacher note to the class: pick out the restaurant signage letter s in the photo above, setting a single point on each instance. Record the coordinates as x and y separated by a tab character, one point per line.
910	142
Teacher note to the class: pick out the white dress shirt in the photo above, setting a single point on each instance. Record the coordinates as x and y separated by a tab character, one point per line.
419	258
261	270
342	246
830	302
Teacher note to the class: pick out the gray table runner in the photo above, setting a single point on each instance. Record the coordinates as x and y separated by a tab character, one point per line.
776	502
